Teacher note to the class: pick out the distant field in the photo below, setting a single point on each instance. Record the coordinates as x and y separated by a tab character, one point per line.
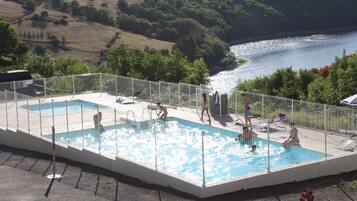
86	40
11	10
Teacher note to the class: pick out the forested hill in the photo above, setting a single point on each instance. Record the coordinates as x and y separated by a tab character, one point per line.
202	28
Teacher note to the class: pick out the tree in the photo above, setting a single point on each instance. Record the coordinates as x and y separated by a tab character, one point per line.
29	5
10	44
123	5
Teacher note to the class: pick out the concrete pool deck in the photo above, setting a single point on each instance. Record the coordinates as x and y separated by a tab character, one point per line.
22	178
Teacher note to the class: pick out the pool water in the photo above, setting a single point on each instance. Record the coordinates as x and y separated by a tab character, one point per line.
59	108
179	150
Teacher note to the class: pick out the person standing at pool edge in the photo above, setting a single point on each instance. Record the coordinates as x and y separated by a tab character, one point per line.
247	112
205	107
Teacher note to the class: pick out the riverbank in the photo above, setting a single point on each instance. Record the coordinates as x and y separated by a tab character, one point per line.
291	34
214	70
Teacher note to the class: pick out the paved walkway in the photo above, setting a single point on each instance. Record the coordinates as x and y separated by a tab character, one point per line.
22	178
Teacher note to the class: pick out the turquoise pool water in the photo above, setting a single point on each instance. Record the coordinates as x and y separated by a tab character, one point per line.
179	150
59	108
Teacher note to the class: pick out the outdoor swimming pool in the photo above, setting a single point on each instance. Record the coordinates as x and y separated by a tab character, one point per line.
59	108
179	150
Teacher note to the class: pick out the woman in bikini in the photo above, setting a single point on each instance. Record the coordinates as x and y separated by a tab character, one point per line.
205	107
247	112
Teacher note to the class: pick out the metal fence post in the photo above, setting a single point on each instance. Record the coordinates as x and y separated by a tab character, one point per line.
169	93
179	98
67	122
82	126
203	159
44	87
155	144
101	82
263	106
132	88
39	111
73	85
325	131
150	91
116	88
268	131
116	134
98	129
53	115
14	83
17	112
6	114
159	91
292	109
28	115
236	101
189	95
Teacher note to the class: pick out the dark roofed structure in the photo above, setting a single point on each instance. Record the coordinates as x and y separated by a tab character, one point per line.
17	75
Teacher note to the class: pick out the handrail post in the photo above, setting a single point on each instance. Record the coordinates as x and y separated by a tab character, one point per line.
67	122
203	159
268	130
82	126
28	115
39	111
6	114
325	130
73	85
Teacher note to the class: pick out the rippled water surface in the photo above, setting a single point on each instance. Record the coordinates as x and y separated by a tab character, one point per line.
179	150
299	52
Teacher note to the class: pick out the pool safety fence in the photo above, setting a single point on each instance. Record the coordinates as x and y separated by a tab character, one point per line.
44	104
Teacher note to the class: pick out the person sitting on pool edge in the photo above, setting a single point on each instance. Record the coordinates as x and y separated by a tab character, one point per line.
293	138
97	118
163	110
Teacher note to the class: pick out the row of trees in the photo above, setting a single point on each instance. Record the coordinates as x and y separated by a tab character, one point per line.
123	60
328	85
90	12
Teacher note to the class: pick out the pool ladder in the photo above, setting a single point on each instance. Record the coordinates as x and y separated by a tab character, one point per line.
127	115
148	111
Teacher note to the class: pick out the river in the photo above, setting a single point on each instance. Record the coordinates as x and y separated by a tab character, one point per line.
266	56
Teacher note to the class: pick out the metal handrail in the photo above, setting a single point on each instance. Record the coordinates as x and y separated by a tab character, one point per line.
149	112
127	115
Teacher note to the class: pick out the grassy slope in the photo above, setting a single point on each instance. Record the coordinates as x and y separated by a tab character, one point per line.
83	39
